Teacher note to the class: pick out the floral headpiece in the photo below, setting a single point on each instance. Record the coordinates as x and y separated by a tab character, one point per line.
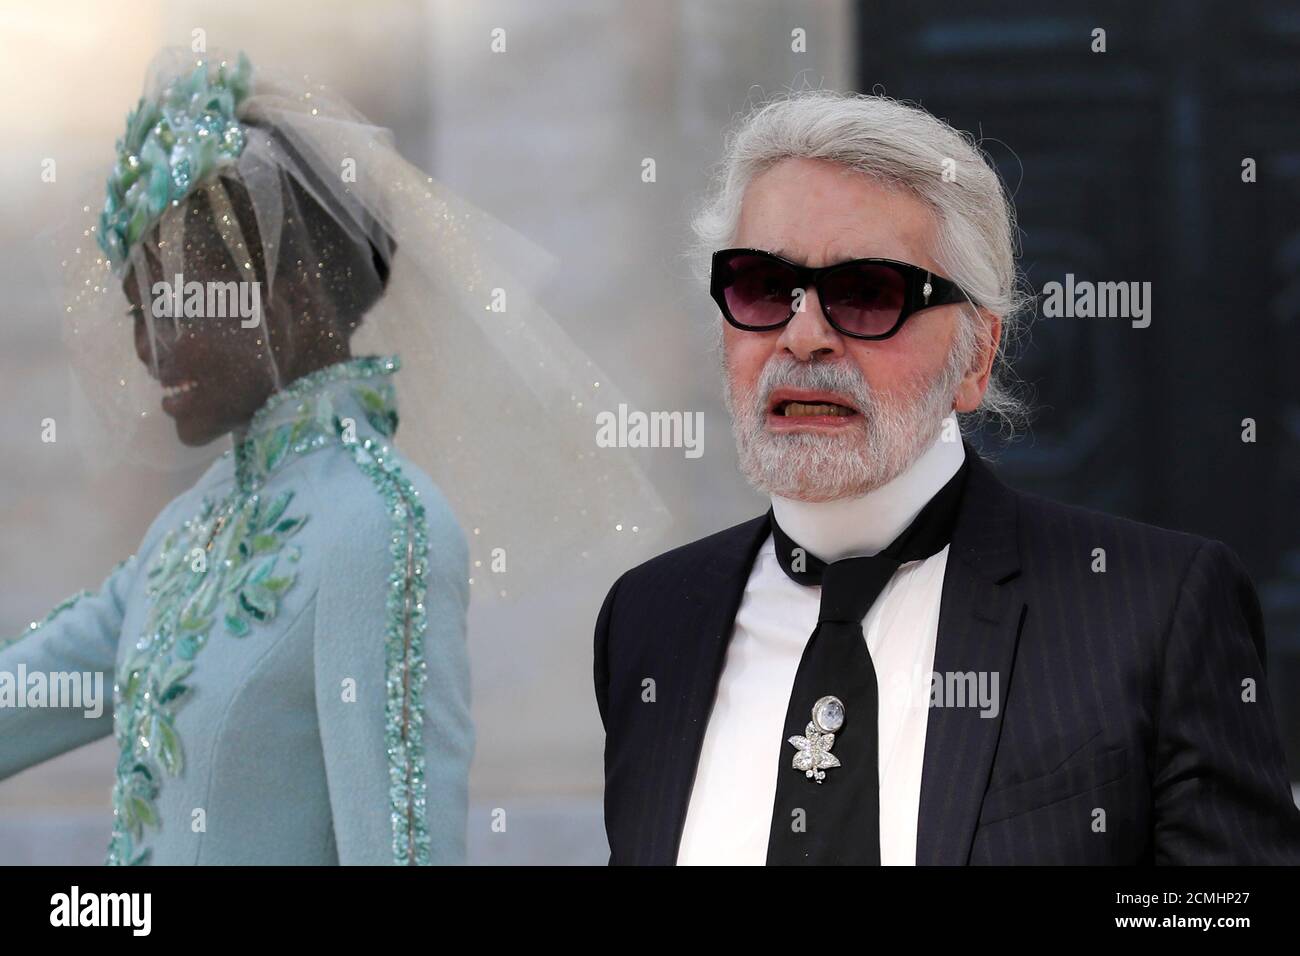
171	144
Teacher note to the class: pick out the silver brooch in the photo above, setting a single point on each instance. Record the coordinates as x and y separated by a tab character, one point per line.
813	750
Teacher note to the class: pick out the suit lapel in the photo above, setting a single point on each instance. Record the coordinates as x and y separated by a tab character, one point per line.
979	625
711	598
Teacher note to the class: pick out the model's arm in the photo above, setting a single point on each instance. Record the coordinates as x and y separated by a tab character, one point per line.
1221	788
392	692
69	657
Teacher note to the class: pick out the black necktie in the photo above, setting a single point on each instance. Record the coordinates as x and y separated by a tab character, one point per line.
827	807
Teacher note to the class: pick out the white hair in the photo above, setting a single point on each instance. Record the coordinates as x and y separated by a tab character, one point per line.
905	148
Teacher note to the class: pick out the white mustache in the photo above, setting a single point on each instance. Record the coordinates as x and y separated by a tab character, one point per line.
895	427
843	378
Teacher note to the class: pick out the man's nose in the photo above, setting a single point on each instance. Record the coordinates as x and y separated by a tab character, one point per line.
808	334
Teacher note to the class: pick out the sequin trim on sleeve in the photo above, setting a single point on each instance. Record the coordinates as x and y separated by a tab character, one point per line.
404	654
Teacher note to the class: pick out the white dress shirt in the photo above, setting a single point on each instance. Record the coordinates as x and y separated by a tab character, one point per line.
730	811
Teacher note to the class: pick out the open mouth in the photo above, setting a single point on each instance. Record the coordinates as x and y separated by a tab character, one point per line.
810	409
171	391
176	394
791	408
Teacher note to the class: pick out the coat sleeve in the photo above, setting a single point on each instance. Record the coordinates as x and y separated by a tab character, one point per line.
1221	794
600	673
600	655
392	687
72	654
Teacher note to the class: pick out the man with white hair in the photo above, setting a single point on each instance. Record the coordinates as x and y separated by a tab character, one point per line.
904	661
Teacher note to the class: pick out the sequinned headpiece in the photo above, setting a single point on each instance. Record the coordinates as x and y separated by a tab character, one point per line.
171	144
275	180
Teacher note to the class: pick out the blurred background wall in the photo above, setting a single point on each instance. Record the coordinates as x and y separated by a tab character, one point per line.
1125	166
550	137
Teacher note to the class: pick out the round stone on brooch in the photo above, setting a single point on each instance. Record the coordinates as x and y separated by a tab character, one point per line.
828	714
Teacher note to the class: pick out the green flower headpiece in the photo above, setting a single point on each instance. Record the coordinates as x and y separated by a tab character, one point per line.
170	146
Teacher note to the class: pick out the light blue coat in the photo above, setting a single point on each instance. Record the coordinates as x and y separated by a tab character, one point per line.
286	651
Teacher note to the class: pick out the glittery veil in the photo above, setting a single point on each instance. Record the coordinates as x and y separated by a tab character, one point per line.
497	403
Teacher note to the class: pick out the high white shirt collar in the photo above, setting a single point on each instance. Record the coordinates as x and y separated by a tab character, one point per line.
849	527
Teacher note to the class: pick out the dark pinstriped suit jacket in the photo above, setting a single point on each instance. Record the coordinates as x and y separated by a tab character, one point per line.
1119	691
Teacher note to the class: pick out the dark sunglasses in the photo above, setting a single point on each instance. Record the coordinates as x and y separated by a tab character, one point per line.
861	298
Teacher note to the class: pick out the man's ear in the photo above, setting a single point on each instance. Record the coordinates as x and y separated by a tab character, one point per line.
976	381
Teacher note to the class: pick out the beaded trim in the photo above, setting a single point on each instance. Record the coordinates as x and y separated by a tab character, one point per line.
245	535
66	604
405	666
172	143
267	443
404	651
55	611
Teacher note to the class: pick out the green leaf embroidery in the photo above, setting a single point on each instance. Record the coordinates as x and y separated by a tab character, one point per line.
246	573
239	575
276	508
169	747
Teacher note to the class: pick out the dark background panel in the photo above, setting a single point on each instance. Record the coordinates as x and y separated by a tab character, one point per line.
1126	166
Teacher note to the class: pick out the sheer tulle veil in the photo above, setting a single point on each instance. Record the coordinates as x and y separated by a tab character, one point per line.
498	404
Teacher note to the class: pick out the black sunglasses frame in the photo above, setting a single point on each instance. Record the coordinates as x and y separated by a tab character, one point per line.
922	289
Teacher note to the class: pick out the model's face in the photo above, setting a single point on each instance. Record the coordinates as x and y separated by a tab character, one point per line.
215	373
819	415
219	369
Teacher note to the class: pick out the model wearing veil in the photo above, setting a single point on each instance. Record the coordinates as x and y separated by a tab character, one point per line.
287	645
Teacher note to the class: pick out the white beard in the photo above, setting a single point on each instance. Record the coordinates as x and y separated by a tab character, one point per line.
888	437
